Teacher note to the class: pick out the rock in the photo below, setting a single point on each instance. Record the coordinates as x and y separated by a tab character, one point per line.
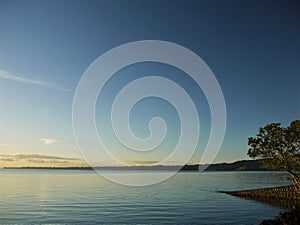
286	218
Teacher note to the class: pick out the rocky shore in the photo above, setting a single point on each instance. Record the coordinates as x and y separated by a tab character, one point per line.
283	196
282	192
286	218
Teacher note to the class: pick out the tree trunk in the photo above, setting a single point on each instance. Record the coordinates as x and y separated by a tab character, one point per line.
295	178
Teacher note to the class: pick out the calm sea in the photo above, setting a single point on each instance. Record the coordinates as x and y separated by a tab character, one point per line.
83	197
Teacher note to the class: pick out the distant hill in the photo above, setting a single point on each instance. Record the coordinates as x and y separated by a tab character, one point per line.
243	165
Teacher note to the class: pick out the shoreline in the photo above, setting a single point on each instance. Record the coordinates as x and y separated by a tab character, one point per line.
242	165
286	218
285	197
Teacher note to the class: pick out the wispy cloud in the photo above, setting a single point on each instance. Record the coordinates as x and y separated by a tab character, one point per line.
8	76
47	141
37	160
37	156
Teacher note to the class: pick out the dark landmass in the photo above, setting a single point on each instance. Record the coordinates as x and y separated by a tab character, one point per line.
285	218
243	165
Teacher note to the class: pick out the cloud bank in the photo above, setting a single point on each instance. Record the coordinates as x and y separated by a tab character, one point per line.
36	160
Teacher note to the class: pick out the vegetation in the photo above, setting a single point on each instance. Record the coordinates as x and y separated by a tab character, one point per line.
279	148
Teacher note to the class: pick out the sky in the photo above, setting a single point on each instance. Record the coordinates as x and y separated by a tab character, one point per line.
252	47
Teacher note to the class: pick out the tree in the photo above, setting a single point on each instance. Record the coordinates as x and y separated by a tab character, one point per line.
279	147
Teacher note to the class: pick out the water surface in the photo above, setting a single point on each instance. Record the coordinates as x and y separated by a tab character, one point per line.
83	197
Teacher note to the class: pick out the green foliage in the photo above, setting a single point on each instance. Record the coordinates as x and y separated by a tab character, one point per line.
279	147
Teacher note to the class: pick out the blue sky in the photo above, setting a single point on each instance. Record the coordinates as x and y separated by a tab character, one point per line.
253	48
